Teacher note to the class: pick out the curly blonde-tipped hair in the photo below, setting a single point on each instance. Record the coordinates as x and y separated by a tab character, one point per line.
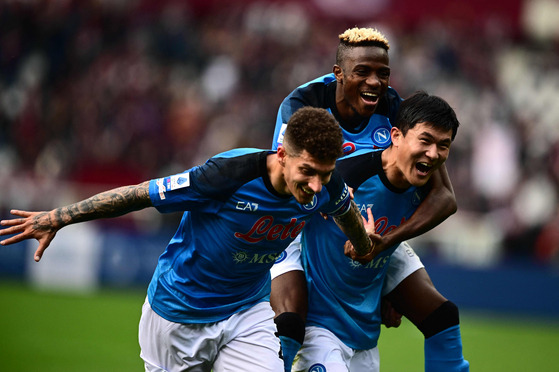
356	37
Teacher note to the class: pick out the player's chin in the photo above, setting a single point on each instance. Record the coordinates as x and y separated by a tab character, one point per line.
304	198
419	180
367	107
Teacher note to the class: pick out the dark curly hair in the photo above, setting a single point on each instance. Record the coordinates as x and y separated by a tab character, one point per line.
316	131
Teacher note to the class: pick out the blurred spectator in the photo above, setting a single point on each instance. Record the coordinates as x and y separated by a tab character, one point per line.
101	93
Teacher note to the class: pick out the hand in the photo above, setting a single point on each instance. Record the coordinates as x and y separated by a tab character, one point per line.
390	317
33	225
376	239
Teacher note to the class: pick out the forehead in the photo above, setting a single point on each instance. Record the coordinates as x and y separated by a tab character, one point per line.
364	55
426	128
306	160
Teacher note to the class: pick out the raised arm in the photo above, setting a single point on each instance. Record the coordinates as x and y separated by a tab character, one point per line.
351	223
439	204
43	226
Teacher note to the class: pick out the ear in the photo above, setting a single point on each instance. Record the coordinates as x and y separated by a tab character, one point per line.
396	136
339	73
281	155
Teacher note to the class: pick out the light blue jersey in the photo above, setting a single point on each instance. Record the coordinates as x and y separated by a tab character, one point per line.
234	228
374	132
344	295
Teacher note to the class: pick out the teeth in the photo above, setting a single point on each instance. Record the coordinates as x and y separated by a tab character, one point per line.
307	191
368	94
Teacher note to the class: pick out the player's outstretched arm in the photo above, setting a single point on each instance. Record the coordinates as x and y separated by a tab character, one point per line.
349	249
43	226
439	204
358	232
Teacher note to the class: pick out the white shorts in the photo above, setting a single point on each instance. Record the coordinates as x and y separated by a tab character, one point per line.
403	262
243	342
323	351
289	260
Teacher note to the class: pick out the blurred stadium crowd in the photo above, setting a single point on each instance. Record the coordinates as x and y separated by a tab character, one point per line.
96	94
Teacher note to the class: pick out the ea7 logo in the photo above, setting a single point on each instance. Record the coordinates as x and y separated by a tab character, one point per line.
246	206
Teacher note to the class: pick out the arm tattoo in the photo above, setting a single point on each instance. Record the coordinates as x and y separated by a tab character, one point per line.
112	203
351	223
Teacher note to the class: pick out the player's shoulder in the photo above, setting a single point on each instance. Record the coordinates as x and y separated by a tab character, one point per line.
315	92
321	80
238	162
241	152
359	158
360	165
389	104
231	169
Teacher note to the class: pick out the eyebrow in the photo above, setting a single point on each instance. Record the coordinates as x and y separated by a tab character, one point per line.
308	166
447	141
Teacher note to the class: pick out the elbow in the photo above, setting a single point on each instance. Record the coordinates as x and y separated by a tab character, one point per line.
452	205
453	208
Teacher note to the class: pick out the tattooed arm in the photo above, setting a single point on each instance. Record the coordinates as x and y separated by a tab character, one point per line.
43	226
351	223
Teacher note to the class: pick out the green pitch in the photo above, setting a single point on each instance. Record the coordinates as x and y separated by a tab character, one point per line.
42	331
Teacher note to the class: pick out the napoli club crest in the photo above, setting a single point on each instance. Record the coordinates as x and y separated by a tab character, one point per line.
310	206
317	368
281	257
381	137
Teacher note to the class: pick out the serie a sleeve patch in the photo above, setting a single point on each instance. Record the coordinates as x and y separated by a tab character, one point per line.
178	181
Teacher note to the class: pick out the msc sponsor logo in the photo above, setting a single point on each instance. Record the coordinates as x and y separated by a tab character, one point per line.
254	258
376	263
381	136
264	228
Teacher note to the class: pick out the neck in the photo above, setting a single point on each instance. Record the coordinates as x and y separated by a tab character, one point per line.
392	170
347	116
275	172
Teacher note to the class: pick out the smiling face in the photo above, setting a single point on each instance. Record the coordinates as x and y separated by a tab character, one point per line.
303	175
363	77
418	154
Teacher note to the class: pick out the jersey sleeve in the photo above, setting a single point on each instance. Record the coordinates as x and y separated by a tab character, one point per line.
207	187
308	94
178	193
289	105
340	197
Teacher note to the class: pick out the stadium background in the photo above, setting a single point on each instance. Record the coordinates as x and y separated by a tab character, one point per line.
97	94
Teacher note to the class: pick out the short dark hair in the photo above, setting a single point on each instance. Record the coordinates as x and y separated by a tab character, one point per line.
421	107
316	131
360	37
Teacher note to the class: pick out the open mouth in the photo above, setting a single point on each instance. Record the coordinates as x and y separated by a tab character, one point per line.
423	168
370	97
307	191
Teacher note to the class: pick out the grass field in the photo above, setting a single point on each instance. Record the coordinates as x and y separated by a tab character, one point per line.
42	331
